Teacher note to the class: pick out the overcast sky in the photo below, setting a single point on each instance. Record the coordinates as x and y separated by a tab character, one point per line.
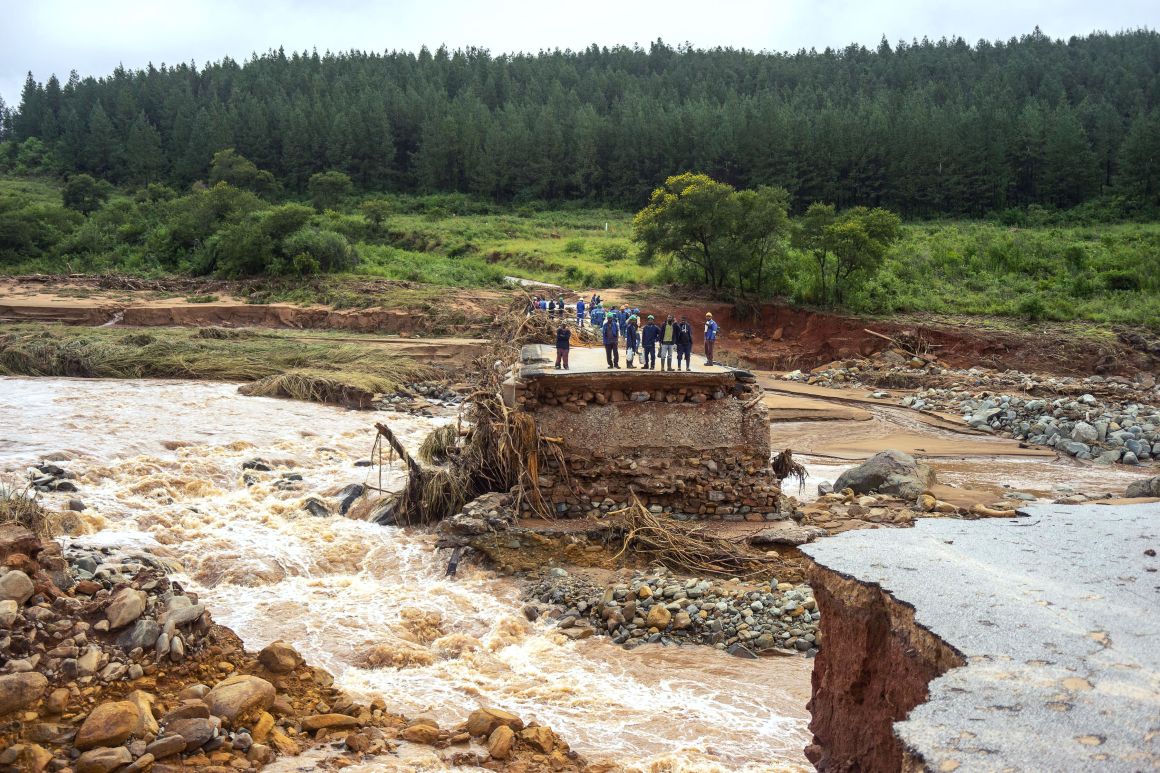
92	37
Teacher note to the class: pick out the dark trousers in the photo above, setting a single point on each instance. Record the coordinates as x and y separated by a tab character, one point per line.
684	351
561	357
710	345
612	352
650	356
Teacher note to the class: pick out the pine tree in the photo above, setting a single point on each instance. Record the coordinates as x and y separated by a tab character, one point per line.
143	152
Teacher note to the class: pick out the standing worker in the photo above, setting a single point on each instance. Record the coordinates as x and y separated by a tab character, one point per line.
580	312
668	342
648	338
563	344
711	329
611	337
631	339
684	343
598	316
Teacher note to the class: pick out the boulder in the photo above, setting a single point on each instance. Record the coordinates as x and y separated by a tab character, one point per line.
240	696
540	738
421	733
143	634
483	721
321	721
1084	432
126	606
109	724
166	746
1146	487
15	586
500	742
104	760
786	533
18	691
888	472
144	703
658	617
279	657
15	538
196	731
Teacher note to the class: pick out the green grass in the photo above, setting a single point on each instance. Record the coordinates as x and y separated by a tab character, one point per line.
280	365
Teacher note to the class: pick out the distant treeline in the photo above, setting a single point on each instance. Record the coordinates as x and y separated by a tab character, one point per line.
924	128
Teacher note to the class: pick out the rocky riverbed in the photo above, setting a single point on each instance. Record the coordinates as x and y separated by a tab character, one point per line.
163	477
1107	419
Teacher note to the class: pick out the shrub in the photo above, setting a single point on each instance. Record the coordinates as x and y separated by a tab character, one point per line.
610	253
574	246
1032	307
1120	280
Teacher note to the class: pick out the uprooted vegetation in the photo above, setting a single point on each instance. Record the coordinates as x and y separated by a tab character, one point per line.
279	365
492	449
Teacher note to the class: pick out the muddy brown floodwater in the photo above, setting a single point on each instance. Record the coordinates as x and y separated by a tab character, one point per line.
160	468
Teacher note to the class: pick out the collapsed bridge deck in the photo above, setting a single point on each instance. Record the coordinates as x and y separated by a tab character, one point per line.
693	443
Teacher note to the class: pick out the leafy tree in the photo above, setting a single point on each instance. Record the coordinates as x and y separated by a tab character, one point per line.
376	212
713	228
760	235
859	240
691	218
231	167
329	189
85	194
811	234
241	249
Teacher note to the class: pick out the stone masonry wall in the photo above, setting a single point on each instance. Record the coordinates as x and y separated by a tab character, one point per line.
697	451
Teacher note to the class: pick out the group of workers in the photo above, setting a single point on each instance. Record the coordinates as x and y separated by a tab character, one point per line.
673	336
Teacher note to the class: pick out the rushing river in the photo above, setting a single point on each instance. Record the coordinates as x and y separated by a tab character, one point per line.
160	466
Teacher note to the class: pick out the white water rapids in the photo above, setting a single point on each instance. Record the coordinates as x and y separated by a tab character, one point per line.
160	467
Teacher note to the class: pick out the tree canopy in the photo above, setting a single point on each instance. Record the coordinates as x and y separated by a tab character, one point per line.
721	233
923	128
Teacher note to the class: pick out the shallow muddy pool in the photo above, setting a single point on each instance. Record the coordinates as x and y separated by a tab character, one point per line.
160	467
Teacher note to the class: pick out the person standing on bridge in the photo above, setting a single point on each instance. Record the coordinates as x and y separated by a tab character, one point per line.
580	312
631	339
563	344
668	343
711	329
649	336
684	343
611	337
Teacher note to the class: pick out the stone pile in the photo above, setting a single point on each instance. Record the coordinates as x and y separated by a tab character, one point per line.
47	476
418	399
658	607
894	368
491	512
1086	427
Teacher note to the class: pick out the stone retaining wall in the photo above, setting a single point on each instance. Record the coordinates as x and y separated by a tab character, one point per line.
698	449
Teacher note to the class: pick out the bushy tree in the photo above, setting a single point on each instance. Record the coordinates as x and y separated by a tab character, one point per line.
231	167
329	189
84	193
846	246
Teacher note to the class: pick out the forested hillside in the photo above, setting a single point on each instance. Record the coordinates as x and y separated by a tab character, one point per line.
924	128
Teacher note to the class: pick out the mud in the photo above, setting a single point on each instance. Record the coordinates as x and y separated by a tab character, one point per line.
874	667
